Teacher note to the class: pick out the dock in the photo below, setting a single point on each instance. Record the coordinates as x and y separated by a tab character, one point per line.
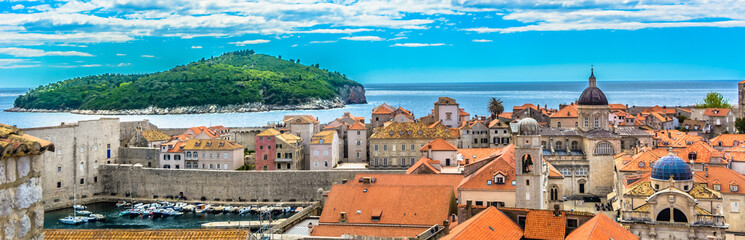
241	224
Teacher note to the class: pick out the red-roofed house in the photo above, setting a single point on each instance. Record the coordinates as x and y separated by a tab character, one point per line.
659	121
721	120
567	117
601	227
488	224
440	150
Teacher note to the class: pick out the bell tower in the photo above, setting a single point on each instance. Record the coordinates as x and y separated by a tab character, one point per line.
530	171
592	107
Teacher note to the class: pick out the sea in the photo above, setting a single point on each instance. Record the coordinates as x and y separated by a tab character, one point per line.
419	98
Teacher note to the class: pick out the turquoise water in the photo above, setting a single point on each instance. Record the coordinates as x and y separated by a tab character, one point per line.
114	221
419	99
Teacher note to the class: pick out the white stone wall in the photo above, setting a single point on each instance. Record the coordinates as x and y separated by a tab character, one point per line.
21	210
79	150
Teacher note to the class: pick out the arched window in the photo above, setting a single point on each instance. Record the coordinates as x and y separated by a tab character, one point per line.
678	216
554	193
558	146
575	145
603	148
692	156
527	163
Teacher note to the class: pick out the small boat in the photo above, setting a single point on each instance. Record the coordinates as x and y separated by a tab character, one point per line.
79	207
83	212
228	209
189	208
96	217
202	208
244	210
218	209
70	220
122	204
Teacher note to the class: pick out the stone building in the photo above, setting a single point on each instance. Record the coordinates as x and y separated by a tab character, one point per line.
669	204
499	134
721	120
384	113
214	154
531	174
277	151
446	111
266	143
304	126
79	151
353	146
396	145
324	148
442	151
172	156
492	184
21	168
474	134
566	117
741	98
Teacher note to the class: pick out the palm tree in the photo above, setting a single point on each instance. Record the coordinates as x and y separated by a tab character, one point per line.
495	107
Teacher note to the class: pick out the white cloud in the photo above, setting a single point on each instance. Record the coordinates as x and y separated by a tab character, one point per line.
196	47
294	45
17	63
327	41
482	40
397	38
326	30
17	7
147	56
417	44
30	52
121	54
247	42
363	38
90	65
71	45
123	64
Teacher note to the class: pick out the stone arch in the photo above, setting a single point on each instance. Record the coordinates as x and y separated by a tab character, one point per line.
677	216
554	193
604	148
527	163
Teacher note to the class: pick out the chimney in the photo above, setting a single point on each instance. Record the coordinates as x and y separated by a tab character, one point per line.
557	212
468	209
429	151
446	227
310	228
669	134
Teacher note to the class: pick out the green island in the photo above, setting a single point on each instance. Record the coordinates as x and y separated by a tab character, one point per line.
239	81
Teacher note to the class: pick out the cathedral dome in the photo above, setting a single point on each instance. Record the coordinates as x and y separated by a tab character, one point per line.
671	166
592	94
527	126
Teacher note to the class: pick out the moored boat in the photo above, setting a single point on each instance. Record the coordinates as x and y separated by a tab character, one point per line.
70	220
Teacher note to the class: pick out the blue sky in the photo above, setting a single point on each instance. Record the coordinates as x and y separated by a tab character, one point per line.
381	41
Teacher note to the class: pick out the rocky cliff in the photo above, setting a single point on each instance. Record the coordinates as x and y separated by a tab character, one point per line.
352	94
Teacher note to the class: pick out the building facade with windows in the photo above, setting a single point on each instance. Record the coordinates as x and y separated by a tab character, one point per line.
324	150
172	155
396	145
213	154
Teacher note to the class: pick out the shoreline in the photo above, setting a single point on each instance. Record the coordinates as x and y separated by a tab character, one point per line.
315	104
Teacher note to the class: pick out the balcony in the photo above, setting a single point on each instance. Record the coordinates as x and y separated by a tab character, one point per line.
710	220
636	216
283	160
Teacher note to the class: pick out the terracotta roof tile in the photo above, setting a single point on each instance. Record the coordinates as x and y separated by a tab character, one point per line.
15	143
357	126
154	234
569	111
704	152
488	224
728	140
617	106
601	227
478	180
716	112
327	137
438	145
647	157
462	112
268	132
542	224
451	180
552	172
300	119
155	135
725	177
211	144
376	231
200	129
477	154
396	130
423	163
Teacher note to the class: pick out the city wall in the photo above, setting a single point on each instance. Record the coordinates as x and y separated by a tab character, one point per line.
146	156
212	185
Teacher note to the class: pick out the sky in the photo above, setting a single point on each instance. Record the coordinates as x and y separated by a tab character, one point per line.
381	41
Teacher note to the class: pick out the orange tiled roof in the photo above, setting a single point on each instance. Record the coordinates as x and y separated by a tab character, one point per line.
327	136
200	129
617	106
268	132
478	180
507	115
601	227
552	172
424	162
177	147
674	138
154	135
728	140
357	126
716	112
394	204
211	144
477	154
647	156
15	143
569	111
462	112
523	107
496	123
159	234
377	231
488	224
301	119
658	109
704	152
445	101
725	177
660	117
396	130
395	179
542	224
438	145
382	110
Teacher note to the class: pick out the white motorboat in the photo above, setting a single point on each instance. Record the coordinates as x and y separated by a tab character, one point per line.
70	220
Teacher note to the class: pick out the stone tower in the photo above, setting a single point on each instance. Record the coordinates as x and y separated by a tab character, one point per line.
530	171
741	98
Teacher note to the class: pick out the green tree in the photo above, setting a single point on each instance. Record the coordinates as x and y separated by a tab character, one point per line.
714	100
740	125
681	118
495	107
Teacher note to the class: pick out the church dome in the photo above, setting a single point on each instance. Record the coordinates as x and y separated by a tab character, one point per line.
592	94
671	165
527	126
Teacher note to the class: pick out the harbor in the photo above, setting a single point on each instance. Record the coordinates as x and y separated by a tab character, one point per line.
166	215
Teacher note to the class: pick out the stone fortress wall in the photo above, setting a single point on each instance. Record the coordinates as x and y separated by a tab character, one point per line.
214	185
